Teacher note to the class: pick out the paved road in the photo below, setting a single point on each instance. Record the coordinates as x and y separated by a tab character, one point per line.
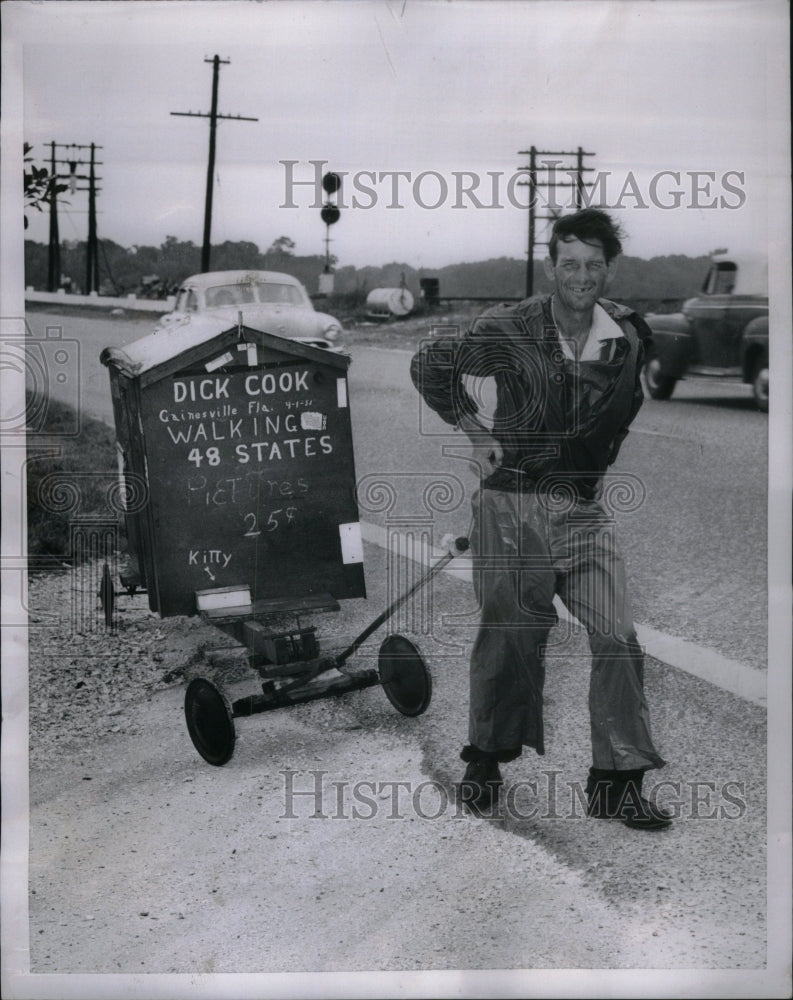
695	548
228	885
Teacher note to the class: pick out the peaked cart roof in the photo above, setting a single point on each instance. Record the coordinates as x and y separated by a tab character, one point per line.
158	349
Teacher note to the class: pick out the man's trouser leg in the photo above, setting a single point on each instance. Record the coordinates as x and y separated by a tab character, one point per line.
594	590
514	584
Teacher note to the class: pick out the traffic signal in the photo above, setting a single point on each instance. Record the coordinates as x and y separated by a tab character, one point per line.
330	213
331	183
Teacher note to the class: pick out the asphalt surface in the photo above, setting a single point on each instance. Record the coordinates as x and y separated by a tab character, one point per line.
230	885
695	547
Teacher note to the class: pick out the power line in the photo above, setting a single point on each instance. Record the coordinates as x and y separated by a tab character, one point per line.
543	174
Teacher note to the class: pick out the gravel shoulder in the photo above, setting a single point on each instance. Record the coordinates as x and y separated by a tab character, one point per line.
143	859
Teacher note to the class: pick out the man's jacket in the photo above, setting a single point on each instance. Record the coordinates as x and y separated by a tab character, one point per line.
553	415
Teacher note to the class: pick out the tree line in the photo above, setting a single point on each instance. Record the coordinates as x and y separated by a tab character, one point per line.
157	271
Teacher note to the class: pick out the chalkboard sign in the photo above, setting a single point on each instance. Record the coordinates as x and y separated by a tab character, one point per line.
247	451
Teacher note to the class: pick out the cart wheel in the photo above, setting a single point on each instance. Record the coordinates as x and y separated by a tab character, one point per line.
404	675
107	595
209	721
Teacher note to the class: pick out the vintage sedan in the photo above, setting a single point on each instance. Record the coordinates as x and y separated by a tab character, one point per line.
270	301
721	333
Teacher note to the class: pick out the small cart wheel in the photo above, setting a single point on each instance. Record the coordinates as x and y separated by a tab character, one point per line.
107	595
209	721
404	675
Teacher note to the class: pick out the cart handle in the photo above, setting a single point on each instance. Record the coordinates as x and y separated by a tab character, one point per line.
454	547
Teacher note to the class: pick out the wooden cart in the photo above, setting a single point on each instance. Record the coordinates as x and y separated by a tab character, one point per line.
242	446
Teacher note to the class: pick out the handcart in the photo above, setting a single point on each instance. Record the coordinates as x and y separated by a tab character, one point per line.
292	670
236	462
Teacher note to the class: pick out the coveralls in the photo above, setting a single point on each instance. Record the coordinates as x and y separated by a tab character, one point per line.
539	529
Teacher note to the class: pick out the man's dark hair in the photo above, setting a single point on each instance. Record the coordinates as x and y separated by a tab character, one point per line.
587	225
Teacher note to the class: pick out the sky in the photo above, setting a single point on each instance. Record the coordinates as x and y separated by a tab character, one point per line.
671	96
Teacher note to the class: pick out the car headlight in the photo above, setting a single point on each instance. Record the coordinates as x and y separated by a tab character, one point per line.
332	332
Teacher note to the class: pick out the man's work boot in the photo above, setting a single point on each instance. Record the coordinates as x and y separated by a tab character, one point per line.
618	795
480	785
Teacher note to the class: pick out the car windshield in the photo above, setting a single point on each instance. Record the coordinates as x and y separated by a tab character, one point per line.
228	295
185	301
274	292
721	279
245	293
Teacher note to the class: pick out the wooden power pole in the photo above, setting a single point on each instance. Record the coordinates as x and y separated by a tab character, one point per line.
213	117
73	161
54	248
544	174
92	246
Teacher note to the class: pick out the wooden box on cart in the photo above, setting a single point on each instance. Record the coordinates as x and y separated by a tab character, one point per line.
236	455
242	444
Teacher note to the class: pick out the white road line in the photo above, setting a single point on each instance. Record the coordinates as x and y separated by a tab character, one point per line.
708	664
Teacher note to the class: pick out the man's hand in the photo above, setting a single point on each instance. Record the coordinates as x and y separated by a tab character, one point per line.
486	453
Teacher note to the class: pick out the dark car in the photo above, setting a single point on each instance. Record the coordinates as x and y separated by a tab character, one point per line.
721	333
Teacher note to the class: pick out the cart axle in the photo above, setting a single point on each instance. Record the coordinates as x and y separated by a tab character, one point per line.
318	688
401	671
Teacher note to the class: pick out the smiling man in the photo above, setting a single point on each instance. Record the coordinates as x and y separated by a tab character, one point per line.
566	367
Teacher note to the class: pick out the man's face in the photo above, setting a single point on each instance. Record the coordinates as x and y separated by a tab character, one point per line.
580	273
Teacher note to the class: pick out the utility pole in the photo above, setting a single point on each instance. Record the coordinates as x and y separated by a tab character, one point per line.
543	174
54	248
213	117
92	248
73	161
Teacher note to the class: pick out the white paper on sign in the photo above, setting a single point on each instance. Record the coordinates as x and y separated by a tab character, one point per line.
310	421
351	544
253	359
341	392
215	363
223	597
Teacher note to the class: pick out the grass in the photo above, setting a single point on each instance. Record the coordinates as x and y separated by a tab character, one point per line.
71	473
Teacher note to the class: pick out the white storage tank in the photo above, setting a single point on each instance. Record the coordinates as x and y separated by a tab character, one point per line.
383	303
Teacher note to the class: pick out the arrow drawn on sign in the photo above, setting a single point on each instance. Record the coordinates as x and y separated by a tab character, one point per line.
209	571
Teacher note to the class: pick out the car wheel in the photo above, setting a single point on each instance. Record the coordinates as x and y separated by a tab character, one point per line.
659	386
760	384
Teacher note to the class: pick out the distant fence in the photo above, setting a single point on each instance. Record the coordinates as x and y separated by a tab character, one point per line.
131	302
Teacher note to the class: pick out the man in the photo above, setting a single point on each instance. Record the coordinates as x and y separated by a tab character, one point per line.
566	367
